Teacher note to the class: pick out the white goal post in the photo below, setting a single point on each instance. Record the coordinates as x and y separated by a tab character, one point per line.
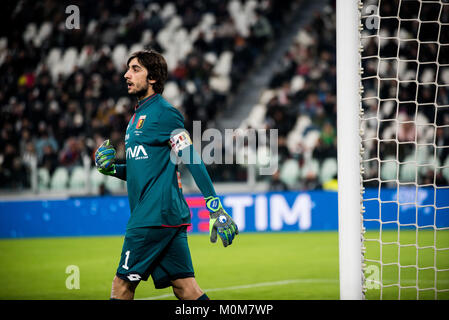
393	148
348	142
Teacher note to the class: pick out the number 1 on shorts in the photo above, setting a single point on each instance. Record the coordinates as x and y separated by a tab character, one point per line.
125	266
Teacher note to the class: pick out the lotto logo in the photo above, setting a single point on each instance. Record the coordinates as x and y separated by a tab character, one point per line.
133	277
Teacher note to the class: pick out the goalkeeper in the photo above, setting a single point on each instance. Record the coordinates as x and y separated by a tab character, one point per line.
156	234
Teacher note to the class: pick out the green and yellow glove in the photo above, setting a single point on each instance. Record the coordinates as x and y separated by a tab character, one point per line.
105	158
220	222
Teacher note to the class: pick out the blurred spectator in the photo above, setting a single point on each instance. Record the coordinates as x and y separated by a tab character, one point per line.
102	190
49	159
276	184
70	155
261	31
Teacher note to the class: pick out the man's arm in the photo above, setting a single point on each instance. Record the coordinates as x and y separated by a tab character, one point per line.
220	222
120	171
196	166
172	129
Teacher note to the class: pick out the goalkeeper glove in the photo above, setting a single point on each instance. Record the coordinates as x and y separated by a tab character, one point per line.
220	222
105	158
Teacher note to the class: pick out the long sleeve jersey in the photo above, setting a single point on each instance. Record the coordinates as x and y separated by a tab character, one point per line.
154	137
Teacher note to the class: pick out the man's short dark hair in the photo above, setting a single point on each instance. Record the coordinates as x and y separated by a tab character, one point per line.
156	66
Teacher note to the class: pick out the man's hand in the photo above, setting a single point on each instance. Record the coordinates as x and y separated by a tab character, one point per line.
220	222
105	158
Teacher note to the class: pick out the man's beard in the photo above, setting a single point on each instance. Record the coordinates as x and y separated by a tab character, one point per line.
140	93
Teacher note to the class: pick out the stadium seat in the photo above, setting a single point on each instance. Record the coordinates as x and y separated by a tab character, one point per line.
328	169
185	48
297	83
220	84
425	134
266	96
386	108
174	23
171	58
59	179
78	179
190	87
135	47
445	170
172	94
83	57
96	178
53	57
69	60
122	102
423	155
295	137
30	32
223	66
168	10
240	20
147	35
432	163
114	185
290	172
153	7
207	21
311	168
91	27
445	75
57	69
264	158
44	32
388	169
407	171
256	117
388	133
311	139
119	56
43	178
164	38
3	43
427	76
211	57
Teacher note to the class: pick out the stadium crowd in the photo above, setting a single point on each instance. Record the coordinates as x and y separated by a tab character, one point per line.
301	101
412	111
301	104
62	117
62	91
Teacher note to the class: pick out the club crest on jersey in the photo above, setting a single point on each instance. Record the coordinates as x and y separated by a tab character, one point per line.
140	122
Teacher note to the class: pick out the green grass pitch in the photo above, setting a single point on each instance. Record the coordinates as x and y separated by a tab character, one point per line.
297	266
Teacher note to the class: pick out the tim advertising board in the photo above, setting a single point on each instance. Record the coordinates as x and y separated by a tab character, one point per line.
253	212
288	211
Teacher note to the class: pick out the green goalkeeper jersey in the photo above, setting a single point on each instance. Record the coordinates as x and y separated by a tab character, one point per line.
153	182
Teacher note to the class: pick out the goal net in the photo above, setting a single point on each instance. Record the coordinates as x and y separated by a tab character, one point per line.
404	131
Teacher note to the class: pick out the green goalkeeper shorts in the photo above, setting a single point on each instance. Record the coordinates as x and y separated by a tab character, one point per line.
160	252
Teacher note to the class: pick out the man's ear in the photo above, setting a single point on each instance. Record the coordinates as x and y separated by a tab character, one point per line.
151	81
